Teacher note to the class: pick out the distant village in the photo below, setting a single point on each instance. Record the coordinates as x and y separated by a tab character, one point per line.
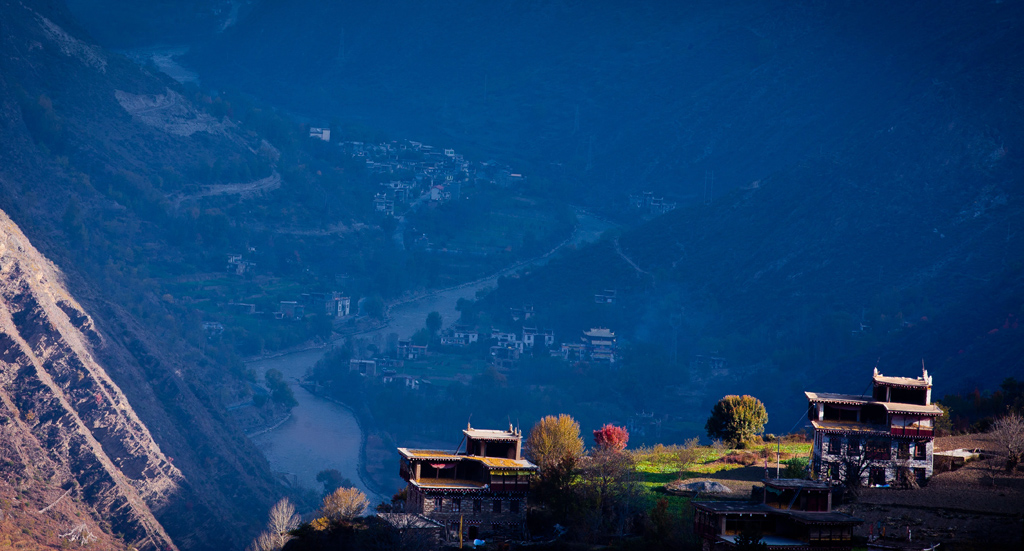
597	345
433	174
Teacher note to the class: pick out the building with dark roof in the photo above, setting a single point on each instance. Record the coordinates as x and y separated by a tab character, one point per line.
792	515
883	438
482	490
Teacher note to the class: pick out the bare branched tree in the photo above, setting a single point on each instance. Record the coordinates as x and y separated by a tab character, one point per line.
687	454
281	521
854	467
1009	432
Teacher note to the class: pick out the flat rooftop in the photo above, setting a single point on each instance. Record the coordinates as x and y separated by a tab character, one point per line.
859	400
740	507
429	454
503	463
850	399
808	517
487	434
489	462
448	484
850	426
797	483
902	381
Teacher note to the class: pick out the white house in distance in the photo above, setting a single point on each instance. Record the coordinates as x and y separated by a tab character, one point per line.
322	133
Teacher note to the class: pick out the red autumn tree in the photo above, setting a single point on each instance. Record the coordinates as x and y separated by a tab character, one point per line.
610	437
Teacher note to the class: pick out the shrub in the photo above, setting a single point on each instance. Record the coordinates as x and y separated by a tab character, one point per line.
795	468
611	437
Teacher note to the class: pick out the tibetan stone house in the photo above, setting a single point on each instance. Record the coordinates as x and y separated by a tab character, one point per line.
482	489
883	439
792	515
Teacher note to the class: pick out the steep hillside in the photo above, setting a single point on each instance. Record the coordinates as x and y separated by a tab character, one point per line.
92	148
603	98
66	424
900	242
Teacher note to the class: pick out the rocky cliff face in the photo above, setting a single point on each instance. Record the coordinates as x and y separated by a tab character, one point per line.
171	466
64	422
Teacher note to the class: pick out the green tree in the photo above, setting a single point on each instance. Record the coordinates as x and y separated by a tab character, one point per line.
332	479
280	392
737	419
943	423
434	322
373	306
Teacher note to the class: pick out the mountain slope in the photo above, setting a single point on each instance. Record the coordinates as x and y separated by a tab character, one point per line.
92	147
605	99
898	241
66	423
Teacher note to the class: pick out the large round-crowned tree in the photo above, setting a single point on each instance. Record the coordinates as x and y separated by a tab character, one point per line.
736	419
554	440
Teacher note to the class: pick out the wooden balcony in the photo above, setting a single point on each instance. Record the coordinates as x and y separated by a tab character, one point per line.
923	432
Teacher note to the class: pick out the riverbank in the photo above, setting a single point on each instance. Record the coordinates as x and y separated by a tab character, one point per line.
373	482
323	432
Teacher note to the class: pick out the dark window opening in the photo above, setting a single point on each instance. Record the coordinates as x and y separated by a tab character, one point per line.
877	477
835	444
903	450
879	448
437	503
514	506
921	450
920	474
853	448
496	506
478	505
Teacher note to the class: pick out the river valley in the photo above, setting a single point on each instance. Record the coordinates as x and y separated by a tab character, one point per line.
321	434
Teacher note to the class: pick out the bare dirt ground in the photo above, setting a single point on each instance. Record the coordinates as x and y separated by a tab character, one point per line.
977	506
169	112
978	503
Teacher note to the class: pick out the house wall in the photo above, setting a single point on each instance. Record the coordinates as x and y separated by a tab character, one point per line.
486	521
823	459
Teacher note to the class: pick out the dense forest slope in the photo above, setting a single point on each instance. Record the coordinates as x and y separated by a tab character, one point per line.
92	148
605	98
898	242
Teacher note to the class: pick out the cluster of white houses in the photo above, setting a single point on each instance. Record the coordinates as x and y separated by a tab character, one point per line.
437	175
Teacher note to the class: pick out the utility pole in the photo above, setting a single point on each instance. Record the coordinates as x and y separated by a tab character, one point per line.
778	455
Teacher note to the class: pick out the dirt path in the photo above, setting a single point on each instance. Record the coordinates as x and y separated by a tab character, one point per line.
255	187
640	272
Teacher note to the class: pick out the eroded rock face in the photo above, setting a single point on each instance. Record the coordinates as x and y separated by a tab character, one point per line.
66	423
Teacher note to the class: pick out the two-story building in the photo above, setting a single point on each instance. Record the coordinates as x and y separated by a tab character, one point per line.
792	515
885	435
482	489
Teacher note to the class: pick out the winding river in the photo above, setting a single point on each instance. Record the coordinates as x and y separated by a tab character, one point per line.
321	434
